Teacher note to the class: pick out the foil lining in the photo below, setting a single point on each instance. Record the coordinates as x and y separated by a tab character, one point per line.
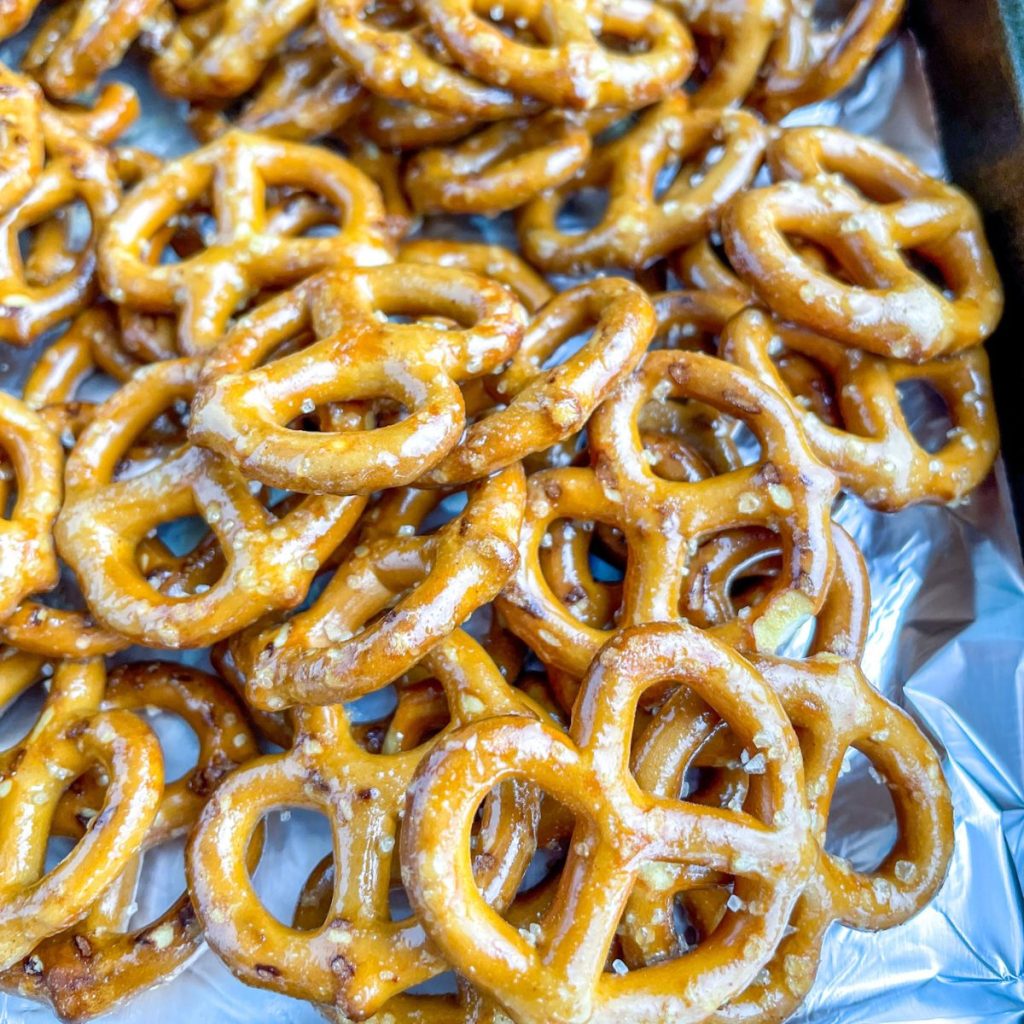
946	641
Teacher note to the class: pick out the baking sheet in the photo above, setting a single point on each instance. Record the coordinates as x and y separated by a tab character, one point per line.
946	640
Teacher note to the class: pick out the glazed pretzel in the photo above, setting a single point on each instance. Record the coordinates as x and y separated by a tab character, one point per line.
405	126
806	64
268	561
499	168
80	39
869	445
557	976
71	735
868	207
425	586
641	223
563	60
356	958
53	281
21	137
99	962
32	466
244	408
663	521
209	287
544	404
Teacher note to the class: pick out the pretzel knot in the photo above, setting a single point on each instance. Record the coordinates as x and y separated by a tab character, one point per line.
541	404
233	175
716	154
45	275
870	209
357	957
425	586
867	440
663	521
465	326
620	830
100	962
268	559
70	736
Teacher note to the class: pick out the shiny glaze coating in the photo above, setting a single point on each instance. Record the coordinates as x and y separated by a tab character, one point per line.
208	287
643	222
557	975
869	208
356	957
269	560
464	326
21	137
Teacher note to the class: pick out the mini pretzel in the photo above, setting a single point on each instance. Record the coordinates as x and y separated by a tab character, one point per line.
643	223
33	462
71	735
425	586
357	957
268	561
545	404
21	137
99	963
557	976
53	281
868	207
243	410
806	65
243	257
563	60
397	125
500	167
870	446
79	40
663	521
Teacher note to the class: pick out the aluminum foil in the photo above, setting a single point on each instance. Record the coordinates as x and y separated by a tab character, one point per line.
946	640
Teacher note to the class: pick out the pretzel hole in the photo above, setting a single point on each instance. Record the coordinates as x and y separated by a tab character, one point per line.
584	564
20	713
57	849
582	210
178	741
926	412
556	352
161	882
810	383
616	35
690	441
50	245
862	824
830	14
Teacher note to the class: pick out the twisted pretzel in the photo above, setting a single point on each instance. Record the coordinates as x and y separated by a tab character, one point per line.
268	561
557	975
543	404
71	735
643	222
54	280
563	59
425	586
501	167
870	209
662	521
355	958
21	137
243	411
397	125
99	962
243	257
869	444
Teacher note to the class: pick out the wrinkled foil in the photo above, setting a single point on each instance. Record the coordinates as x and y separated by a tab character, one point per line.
946	641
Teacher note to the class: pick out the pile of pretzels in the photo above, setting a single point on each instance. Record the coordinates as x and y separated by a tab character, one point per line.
569	506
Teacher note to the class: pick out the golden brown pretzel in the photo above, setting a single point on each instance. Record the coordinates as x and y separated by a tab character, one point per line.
398	125
111	113
355	958
540	404
70	736
806	64
663	520
101	962
870	209
560	55
500	167
869	444
268	560
21	136
54	280
32	463
244	407
208	287
425	586
553	972
643	221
